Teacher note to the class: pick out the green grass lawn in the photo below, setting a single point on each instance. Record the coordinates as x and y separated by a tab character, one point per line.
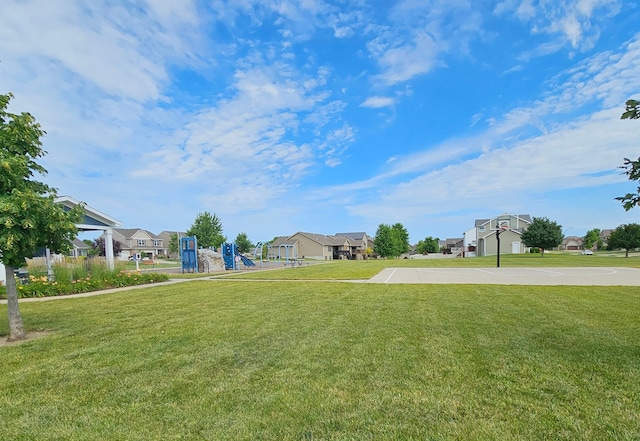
229	360
359	269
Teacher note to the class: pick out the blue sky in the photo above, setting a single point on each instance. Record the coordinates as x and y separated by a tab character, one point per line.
331	116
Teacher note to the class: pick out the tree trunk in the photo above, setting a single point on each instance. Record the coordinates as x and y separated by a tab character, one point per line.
626	254
16	330
541	252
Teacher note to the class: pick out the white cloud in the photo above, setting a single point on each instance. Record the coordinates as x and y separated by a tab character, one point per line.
575	21
378	102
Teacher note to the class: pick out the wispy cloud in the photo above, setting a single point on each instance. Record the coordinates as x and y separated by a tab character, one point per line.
574	22
378	102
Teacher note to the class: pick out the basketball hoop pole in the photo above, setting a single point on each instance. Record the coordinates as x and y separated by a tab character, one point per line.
498	231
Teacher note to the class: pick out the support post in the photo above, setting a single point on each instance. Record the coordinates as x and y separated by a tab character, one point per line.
108	248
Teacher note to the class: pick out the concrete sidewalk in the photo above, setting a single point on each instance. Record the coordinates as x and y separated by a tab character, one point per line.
578	276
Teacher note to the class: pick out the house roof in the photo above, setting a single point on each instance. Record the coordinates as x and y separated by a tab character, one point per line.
453	241
282	240
523	217
130	232
604	234
357	236
170	233
92	217
77	243
357	239
568	239
325	240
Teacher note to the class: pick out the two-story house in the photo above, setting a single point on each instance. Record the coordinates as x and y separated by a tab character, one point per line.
138	243
482	236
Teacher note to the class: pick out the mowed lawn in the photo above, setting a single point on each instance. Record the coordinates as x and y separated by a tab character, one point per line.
360	270
295	360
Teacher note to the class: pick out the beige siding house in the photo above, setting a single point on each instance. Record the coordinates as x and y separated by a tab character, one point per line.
166	240
571	243
510	242
139	243
79	249
320	246
359	244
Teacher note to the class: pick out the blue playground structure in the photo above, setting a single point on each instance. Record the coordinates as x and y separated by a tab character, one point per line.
232	257
189	254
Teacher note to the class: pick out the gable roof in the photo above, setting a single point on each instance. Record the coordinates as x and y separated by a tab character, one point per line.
325	240
128	233
77	243
92	217
523	217
282	240
357	239
356	236
170	233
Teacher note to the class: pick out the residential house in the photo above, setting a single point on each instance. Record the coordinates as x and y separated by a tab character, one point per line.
454	246
166	240
604	235
510	226
321	247
571	243
359	244
283	248
135	242
79	248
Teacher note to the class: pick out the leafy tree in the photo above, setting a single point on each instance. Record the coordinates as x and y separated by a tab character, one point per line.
383	241
207	228
401	239
542	233
632	110
29	217
592	239
243	243
391	241
98	246
631	168
428	245
91	251
174	244
626	237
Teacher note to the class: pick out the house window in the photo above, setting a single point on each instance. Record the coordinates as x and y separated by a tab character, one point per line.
157	243
481	229
142	242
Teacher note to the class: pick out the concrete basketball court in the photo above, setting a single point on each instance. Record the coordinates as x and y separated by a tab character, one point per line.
512	276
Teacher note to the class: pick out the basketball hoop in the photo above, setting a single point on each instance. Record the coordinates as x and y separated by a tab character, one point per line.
501	229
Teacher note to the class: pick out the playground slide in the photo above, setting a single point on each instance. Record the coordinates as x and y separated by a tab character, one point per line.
246	260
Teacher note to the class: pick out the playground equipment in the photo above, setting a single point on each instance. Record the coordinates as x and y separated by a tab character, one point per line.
262	249
232	257
287	254
188	254
290	254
